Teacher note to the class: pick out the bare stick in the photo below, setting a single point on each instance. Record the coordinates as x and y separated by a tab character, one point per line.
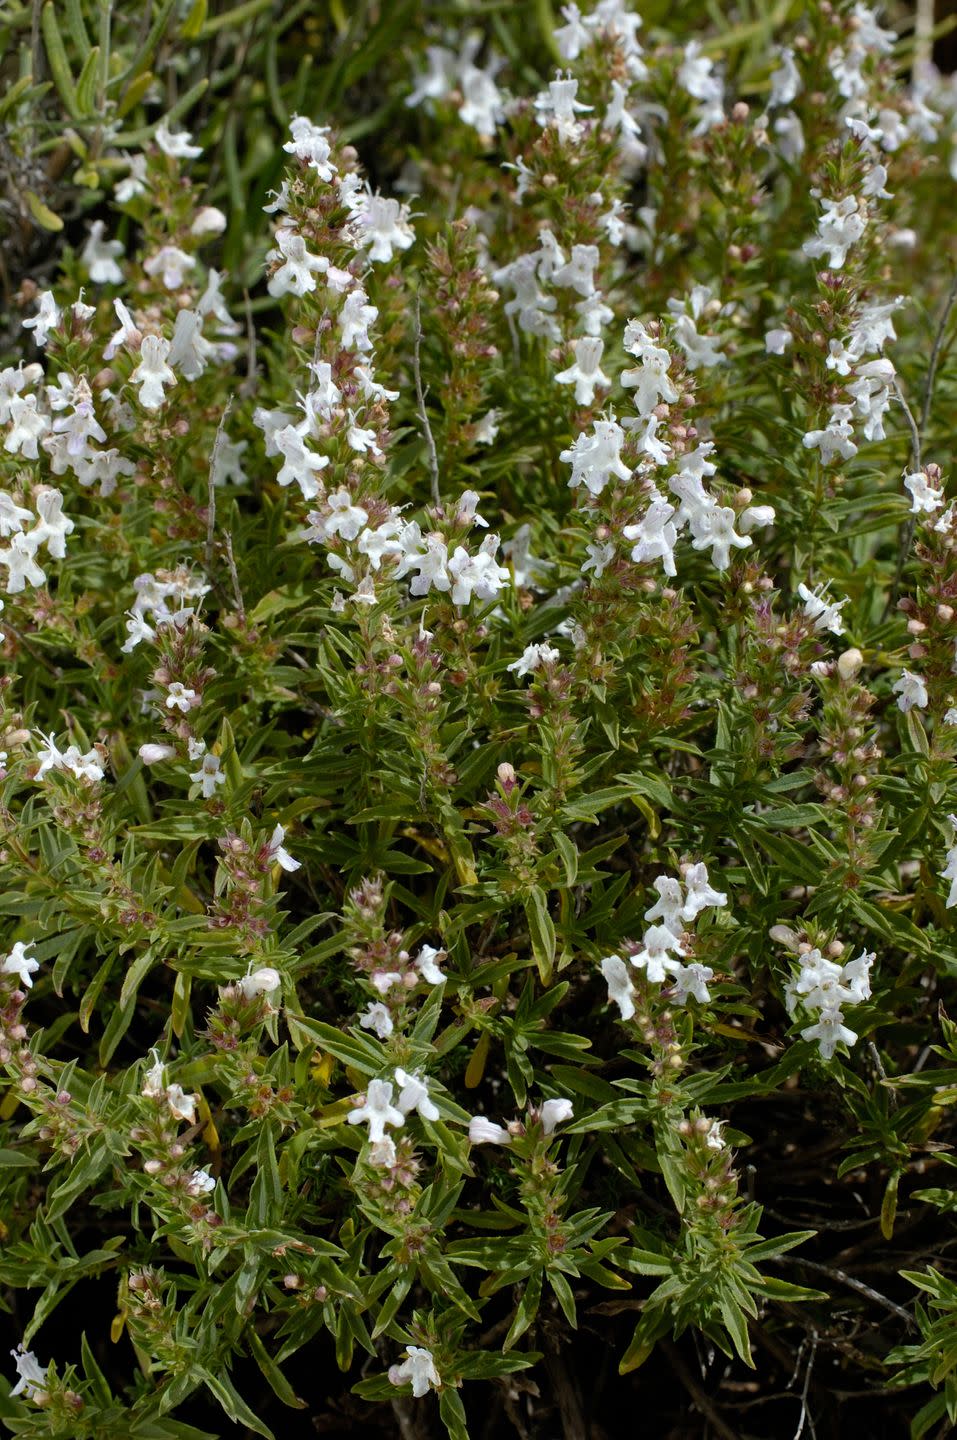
852	1284
700	1399
423	414
234	576
935	354
805	1417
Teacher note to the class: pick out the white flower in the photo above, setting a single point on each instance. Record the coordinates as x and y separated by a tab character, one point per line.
29	424
585	373
128	333
137	630
179	697
713	1138
427	964
181	1105
344	518
279	854
482	101
755	517
99	256
695	76
486	1132
322	400
370	386
152	373
209	774
32	1376
466	512
925	498
578	272
555	1112
309	143
154	1081
857	975
650	379
385	980
620	989
414	1095
872	394
533	658
786	82
19	963
49	756
171	264
211	302
419	1368
377	1018
431	562
828	1030
657	944
911	692
691	980
669	905
486	429
201	1183
22	568
52	525
825	613
189	350
699	892
84	767
382	541
835	439
559	107
655	535
46	319
600	555
595	458
715	528
153	754
295	276
260	982
362	440
479	575
176	143
300	465
385	225
528	302
949	871
777	340
378	1110
355	317
841	226
208	221
133	184
226	464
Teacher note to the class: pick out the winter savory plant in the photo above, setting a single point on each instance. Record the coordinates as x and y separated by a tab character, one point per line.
478	807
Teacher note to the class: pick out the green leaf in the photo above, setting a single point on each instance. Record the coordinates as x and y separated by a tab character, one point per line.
277	1380
222	1389
541	931
41	212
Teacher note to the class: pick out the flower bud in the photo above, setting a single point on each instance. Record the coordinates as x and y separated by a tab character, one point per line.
849	664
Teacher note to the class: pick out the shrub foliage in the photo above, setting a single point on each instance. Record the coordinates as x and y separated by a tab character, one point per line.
479	716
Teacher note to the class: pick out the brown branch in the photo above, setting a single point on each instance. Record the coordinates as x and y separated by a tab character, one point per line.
420	405
700	1399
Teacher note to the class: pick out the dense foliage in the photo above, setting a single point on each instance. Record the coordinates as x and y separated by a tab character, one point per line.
479	716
